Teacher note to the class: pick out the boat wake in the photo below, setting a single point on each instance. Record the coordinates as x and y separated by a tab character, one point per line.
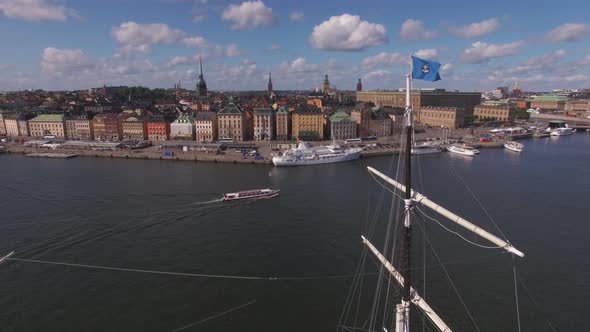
217	200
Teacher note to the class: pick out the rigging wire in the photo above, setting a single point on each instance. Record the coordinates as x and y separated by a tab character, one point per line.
516	293
447	275
215	316
528	293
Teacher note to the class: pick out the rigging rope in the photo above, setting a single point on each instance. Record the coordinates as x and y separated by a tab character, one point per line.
516	293
215	316
182	274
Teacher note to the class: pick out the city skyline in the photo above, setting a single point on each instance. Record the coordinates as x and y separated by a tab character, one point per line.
58	45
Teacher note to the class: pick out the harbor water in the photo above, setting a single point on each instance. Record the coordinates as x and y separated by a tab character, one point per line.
294	254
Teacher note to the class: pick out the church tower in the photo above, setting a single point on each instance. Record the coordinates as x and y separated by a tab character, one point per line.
359	85
326	87
201	85
269	88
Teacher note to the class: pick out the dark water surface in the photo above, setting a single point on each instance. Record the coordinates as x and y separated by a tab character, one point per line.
158	215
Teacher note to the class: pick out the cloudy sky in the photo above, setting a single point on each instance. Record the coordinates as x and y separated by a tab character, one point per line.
67	44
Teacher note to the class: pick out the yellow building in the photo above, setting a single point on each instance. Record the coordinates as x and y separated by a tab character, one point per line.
308	124
206	126
11	124
556	103
48	124
502	113
421	98
232	123
449	117
283	123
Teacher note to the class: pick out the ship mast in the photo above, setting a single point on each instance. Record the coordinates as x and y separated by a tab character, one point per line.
403	308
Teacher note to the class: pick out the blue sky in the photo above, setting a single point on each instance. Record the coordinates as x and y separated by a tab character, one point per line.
66	44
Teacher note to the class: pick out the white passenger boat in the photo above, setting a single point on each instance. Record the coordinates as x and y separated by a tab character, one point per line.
462	149
305	154
513	146
563	131
251	194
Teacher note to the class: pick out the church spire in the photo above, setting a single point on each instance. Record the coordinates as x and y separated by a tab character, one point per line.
269	88
201	85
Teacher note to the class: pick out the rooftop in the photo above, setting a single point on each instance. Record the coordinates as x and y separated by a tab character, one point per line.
340	116
48	118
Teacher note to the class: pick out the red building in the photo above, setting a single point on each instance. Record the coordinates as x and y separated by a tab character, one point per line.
158	129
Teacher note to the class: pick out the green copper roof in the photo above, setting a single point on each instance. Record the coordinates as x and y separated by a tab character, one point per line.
48	118
550	98
184	119
282	110
230	108
340	116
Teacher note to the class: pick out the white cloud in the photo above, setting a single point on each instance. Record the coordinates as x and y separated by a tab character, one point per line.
427	53
248	15
476	29
384	58
58	62
347	33
481	52
415	30
274	48
296	16
298	65
232	50
36	10
199	18
568	32
447	69
376	74
137	37
196	41
585	61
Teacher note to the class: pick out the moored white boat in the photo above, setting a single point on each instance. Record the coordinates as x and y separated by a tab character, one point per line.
513	146
251	194
563	131
304	154
426	149
462	150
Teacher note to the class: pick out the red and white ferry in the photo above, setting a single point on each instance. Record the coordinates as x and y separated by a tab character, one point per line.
251	194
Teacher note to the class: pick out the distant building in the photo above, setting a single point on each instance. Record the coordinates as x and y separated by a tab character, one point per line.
380	124
107	127
362	116
449	117
183	128
264	122
579	107
326	86
2	125
555	103
134	128
11	124
307	123
317	102
201	85
231	122
342	126
283	123
421	98
48	124
158	129
98	108
503	113
206	127
359	85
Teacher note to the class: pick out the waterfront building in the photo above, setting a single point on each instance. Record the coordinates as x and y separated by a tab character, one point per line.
158	129
342	126
83	129
307	123
380	124
11	124
555	103
23	125
283	123
206	127
264	122
420	98
134	128
201	85
107	127
578	108
503	113
231	122
70	128
361	115
2	125
183	128
449	117
48	124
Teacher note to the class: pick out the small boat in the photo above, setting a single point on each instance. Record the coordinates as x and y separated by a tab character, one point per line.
462	149
425	148
251	194
513	146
